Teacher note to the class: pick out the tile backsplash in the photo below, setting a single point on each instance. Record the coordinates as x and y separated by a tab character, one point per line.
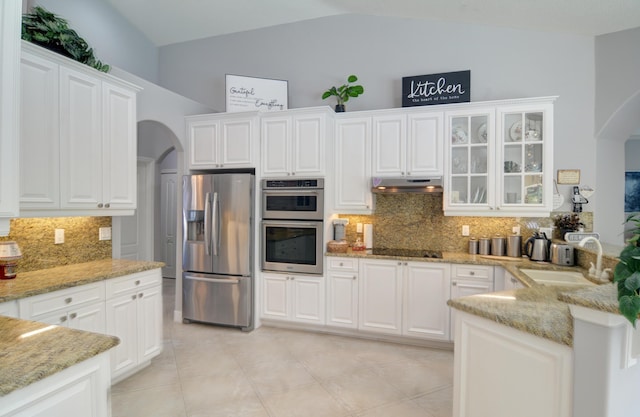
35	237
416	221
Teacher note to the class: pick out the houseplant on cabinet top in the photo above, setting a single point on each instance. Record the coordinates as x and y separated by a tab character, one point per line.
45	29
343	92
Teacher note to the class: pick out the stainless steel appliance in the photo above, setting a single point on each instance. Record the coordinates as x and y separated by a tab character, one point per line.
562	254
292	225
218	227
407	185
537	247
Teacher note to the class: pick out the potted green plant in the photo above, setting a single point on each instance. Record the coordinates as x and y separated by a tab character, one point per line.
626	275
52	32
569	222
344	92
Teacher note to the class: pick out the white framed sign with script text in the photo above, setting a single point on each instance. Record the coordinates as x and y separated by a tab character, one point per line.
251	94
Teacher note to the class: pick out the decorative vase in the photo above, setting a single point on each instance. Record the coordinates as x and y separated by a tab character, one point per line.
339	108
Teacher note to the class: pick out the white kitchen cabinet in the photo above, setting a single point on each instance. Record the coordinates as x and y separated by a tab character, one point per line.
296	298
501	371
342	292
505	281
380	301
9	309
408	144
79	148
469	280
352	166
81	307
427	288
134	315
80	390
499	159
225	140
293	142
9	111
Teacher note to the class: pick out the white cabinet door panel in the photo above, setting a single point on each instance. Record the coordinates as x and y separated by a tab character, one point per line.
342	299
353	165
275	149
427	290
308	144
380	297
149	322
425	151
308	299
389	145
275	296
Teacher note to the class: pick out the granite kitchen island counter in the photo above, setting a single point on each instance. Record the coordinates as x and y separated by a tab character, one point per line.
27	284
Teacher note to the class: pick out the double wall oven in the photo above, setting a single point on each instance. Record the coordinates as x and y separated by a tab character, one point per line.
292	225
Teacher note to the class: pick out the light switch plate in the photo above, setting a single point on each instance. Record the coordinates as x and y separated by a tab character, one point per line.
465	230
58	236
104	233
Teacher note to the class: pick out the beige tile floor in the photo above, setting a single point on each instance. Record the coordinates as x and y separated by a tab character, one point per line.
209	371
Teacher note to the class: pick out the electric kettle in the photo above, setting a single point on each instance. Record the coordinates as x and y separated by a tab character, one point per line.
537	247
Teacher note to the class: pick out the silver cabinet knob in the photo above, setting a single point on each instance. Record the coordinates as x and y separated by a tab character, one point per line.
73	315
68	300
107	205
133	297
63	319
406	263
341	264
137	282
472	273
100	205
399	263
354	277
454	283
141	295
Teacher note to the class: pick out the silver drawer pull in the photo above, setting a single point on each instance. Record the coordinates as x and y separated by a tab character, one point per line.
472	273
68	300
454	283
137	282
63	319
341	264
354	277
73	316
133	297
141	295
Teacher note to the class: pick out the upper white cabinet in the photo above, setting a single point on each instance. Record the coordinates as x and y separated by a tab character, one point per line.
352	165
500	159
78	144
294	142
225	140
9	118
408	144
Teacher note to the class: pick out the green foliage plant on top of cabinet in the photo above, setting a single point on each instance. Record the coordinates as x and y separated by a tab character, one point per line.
627	274
343	92
53	32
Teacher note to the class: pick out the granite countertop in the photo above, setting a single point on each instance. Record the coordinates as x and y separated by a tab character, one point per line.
28	284
25	358
538	309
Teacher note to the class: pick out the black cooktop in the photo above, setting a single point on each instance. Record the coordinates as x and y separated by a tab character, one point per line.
410	253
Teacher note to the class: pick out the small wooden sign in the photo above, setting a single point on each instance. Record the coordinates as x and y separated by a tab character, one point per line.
443	88
569	176
251	94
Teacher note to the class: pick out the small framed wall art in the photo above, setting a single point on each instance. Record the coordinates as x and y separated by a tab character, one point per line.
569	176
251	94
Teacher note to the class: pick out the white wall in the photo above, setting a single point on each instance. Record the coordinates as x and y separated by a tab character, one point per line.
113	39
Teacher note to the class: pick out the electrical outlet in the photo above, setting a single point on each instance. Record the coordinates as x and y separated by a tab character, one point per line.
465	230
58	236
104	233
548	231
515	230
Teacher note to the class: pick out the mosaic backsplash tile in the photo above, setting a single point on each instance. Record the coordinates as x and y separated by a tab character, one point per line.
35	237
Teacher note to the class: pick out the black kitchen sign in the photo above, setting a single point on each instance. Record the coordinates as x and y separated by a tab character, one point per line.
447	87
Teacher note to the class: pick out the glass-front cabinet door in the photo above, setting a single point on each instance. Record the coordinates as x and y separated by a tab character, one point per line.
469	159
525	158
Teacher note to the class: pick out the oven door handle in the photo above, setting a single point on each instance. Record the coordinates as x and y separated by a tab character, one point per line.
207	226
280	223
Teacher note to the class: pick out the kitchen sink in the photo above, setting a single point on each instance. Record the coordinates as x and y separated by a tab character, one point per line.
547	277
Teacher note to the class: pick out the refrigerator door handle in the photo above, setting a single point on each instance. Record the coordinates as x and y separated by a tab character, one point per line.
214	280
207	227
216	224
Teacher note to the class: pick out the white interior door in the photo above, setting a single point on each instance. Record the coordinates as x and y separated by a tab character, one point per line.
136	232
168	222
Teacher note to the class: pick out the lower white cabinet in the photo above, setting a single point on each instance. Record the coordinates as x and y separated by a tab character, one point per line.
81	308
342	292
501	371
380	296
469	280
134	314
9	309
80	390
297	298
427	288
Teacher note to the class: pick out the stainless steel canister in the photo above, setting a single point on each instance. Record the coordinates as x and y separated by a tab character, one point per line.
514	246
498	245
473	246
484	247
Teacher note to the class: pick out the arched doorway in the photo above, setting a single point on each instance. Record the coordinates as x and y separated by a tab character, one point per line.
610	168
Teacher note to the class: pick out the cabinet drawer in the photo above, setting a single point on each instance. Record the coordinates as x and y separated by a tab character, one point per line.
342	264
118	286
44	304
475	272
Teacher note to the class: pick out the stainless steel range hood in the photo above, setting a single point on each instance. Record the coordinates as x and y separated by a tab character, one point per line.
407	185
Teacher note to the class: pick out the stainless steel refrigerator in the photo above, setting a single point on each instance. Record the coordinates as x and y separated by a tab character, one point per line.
218	230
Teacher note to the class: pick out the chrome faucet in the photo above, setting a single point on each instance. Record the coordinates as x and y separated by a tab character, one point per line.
596	272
